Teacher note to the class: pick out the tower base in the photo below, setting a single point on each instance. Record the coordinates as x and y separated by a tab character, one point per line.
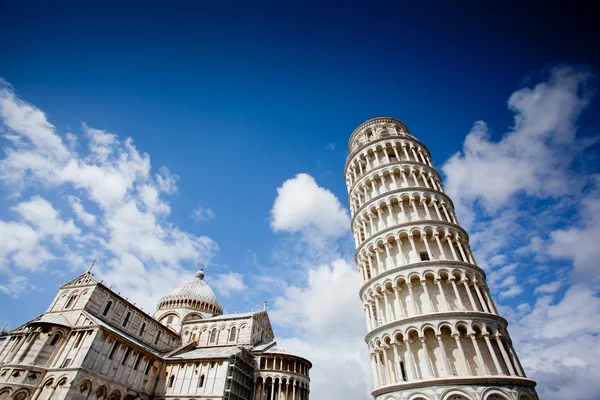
475	388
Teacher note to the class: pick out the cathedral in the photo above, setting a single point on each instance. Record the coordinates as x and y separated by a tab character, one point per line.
433	330
93	344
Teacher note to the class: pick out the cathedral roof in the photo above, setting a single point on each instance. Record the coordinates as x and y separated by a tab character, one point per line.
194	294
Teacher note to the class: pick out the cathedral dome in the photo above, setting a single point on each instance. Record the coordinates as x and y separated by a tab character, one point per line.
194	294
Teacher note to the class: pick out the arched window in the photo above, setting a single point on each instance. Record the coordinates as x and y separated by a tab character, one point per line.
142	329
70	302
201	381
232	334
126	320
55	339
213	335
106	309
171	380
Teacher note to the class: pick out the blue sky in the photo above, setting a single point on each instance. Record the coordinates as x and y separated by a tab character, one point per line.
235	100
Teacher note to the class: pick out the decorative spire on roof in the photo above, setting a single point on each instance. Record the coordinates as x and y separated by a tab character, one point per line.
89	271
200	273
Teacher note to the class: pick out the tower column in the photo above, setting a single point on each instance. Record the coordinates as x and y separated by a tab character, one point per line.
480	297
505	356
463	357
427	359
410	361
486	336
471	299
441	289
444	355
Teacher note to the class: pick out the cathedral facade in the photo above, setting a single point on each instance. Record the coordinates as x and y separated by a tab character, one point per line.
433	330
93	344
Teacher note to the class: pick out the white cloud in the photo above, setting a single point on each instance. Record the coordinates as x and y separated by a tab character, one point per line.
512	291
559	344
79	211
580	243
138	250
302	205
16	286
203	214
534	156
328	323
548	288
42	215
229	283
26	243
517	196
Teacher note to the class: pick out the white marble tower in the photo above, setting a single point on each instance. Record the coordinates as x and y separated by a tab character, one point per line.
434	332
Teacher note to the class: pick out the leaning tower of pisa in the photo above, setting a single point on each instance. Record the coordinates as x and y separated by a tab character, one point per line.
434	332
